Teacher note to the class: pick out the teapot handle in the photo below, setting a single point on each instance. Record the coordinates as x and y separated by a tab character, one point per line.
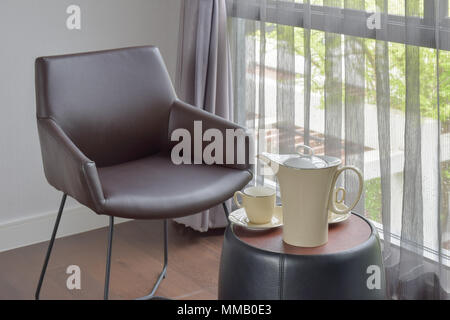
304	146
333	200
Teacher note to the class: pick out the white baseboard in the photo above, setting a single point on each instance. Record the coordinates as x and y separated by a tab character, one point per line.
35	229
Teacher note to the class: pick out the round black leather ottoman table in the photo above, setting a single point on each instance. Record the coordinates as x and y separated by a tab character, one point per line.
259	265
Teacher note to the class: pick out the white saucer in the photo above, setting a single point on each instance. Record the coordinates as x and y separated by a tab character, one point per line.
336	218
240	218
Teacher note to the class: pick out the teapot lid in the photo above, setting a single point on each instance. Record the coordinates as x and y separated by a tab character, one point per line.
302	160
311	161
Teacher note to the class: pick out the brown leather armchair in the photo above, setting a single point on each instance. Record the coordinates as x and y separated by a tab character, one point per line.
105	119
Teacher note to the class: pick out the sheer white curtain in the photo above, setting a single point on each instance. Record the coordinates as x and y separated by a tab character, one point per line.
369	82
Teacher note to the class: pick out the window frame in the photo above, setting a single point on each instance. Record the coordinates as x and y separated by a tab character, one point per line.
350	22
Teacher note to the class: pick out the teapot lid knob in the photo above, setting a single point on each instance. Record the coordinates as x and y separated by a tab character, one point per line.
305	147
310	161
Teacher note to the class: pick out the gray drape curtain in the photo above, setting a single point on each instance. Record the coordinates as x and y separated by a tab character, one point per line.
312	70
203	76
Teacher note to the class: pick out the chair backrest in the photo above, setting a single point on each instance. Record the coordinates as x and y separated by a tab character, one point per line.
114	105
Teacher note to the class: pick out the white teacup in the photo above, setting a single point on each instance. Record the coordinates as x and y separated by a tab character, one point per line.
259	203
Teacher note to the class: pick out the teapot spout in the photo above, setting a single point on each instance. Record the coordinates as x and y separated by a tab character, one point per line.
265	157
272	160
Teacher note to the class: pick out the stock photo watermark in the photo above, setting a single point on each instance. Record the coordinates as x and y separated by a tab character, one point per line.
73	281
73	21
213	153
224	147
374	280
374	21
230	147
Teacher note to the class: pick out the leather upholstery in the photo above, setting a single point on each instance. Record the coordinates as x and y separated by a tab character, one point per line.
250	273
154	187
67	168
114	105
183	116
103	122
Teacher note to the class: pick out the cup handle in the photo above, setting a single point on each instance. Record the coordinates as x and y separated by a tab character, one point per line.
333	195
236	199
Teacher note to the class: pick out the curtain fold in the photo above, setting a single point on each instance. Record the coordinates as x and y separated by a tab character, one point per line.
379	105
411	257
307	73
333	81
285	80
203	76
383	120
354	100
261	71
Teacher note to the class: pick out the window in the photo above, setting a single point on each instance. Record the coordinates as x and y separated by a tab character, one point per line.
251	64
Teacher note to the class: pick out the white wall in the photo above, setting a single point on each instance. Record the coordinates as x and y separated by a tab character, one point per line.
28	29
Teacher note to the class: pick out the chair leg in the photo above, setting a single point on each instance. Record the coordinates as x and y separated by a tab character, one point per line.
108	258
162	275
108	255
227	213
50	246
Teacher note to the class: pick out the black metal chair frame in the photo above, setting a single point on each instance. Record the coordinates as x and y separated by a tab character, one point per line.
162	275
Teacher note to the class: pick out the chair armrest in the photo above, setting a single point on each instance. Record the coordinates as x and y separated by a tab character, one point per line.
183	115
67	168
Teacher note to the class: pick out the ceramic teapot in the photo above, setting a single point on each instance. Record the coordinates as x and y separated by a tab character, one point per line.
308	191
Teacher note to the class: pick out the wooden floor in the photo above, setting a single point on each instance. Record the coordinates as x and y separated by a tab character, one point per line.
137	258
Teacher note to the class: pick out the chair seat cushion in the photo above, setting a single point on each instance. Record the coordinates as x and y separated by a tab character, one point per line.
155	188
